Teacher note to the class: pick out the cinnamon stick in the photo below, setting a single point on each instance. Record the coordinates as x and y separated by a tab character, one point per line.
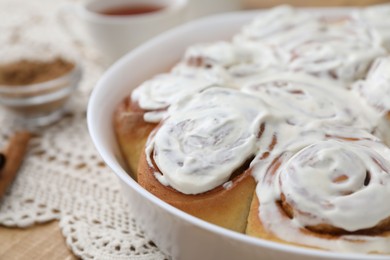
14	154
2	161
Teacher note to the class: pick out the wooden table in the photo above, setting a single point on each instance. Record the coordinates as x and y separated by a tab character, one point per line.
38	242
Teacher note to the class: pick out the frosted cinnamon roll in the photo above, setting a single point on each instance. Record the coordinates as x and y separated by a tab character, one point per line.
329	195
337	47
198	159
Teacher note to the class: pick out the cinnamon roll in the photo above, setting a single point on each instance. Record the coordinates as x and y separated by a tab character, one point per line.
198	159
329	195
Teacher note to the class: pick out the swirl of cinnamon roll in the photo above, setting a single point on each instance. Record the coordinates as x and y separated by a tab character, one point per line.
206	138
329	195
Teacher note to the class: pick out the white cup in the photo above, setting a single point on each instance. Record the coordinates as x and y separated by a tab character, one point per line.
115	35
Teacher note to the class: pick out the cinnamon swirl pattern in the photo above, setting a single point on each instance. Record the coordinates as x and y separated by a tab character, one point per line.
328	195
281	133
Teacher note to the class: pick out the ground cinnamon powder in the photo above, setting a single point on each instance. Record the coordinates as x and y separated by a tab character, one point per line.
25	72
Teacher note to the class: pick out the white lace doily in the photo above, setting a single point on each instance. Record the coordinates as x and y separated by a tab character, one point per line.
63	177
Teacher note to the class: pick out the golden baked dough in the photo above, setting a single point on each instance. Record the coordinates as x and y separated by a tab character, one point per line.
226	207
132	132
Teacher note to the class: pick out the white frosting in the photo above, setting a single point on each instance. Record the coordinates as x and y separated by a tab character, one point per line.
282	90
197	146
319	166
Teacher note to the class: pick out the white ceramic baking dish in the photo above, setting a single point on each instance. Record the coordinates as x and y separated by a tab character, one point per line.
178	234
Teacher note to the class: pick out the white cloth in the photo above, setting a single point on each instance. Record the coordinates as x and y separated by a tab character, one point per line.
63	178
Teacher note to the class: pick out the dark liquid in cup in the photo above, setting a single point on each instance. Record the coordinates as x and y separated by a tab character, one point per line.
131	10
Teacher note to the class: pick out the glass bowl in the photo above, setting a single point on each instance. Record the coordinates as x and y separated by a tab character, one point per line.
43	103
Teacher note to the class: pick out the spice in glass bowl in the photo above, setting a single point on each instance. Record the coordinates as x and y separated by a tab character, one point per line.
37	91
27	72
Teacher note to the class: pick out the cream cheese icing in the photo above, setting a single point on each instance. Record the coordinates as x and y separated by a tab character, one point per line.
196	148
